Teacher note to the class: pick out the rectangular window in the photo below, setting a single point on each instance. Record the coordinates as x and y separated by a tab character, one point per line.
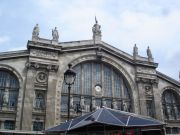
37	126
10	125
150	108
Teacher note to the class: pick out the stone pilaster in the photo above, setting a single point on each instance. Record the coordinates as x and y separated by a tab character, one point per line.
28	101
51	100
158	103
142	99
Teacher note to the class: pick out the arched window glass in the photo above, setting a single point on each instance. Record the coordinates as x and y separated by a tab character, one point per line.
171	105
9	88
87	69
97	72
115	89
77	83
107	81
39	101
117	85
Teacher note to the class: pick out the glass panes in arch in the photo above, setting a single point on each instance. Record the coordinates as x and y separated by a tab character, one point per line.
126	94
171	105
77	84
87	77
91	73
117	85
9	89
97	73
107	81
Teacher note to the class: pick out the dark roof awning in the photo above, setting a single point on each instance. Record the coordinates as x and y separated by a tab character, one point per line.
107	116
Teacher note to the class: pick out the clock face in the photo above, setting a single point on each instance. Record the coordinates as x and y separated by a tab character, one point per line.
98	88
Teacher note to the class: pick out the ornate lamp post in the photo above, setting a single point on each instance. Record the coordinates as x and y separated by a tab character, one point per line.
69	78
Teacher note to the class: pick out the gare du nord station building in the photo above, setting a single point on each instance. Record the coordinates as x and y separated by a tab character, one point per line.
33	94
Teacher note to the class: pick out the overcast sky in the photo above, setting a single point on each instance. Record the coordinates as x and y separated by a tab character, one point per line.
154	23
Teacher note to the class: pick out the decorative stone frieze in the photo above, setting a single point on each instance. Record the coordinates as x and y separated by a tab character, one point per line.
43	54
145	70
147	80
48	67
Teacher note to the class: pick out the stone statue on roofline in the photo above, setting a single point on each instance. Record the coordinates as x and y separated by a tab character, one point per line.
149	54
35	33
55	34
135	51
96	29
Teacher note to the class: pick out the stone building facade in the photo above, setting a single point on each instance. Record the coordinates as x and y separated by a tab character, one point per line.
33	95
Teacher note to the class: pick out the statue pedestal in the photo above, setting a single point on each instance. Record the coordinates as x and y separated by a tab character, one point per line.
54	42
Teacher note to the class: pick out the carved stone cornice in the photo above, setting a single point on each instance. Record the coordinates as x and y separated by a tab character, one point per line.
48	67
44	44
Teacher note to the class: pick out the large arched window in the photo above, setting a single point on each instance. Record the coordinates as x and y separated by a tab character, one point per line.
113	89
171	105
9	88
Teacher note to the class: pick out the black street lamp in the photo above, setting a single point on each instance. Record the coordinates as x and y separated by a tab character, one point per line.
69	78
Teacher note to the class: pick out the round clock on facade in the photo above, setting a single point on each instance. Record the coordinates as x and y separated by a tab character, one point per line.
98	90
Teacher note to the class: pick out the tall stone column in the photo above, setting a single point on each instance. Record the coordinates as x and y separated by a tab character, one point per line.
142	99
28	101
51	100
158	103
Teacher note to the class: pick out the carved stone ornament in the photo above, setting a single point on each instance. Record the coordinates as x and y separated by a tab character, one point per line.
48	67
41	77
147	80
148	91
145	70
44	54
